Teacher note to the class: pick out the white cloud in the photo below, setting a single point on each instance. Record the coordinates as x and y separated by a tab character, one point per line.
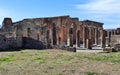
107	11
101	6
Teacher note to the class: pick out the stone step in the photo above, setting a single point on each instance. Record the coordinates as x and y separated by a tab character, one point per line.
96	48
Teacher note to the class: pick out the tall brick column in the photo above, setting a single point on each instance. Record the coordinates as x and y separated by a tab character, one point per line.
71	40
51	36
58	39
90	34
68	38
77	38
96	38
84	38
101	37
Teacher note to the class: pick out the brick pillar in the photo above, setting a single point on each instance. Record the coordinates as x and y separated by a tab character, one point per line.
68	41
51	36
101	37
71	40
104	40
77	38
68	38
58	39
90	34
96	38
89	44
84	43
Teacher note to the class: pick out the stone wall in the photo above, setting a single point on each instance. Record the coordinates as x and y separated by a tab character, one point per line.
111	35
92	33
8	37
53	32
10	42
115	39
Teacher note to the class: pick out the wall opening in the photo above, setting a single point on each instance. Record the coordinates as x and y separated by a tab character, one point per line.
28	32
47	36
59	40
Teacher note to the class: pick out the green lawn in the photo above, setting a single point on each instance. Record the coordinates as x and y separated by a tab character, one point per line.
58	62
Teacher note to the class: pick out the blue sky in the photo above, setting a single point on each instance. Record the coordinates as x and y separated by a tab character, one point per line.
105	11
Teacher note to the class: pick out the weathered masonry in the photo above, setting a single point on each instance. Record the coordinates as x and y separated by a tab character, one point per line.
52	32
93	34
112	37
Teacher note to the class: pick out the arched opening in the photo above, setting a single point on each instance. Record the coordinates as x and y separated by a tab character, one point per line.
47	36
59	40
28	32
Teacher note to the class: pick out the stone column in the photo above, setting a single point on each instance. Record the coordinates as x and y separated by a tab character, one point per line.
104	38
14	34
96	32
101	37
87	43
68	38
114	32
84	43
90	34
77	38
71	40
58	43
51	36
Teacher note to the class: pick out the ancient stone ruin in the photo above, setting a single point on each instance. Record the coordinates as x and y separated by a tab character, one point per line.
52	32
112	38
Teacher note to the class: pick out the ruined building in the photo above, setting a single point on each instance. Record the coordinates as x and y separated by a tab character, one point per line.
112	37
51	32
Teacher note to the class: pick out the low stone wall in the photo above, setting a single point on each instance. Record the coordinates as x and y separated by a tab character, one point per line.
71	49
109	49
8	43
32	43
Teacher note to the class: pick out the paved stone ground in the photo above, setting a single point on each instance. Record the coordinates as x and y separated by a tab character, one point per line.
86	50
89	50
94	49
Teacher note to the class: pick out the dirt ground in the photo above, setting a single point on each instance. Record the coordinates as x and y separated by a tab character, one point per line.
58	62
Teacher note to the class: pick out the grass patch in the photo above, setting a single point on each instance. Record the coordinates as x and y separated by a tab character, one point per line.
105	57
40	60
72	70
115	58
5	59
55	62
50	67
91	73
11	56
58	62
2	68
58	74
